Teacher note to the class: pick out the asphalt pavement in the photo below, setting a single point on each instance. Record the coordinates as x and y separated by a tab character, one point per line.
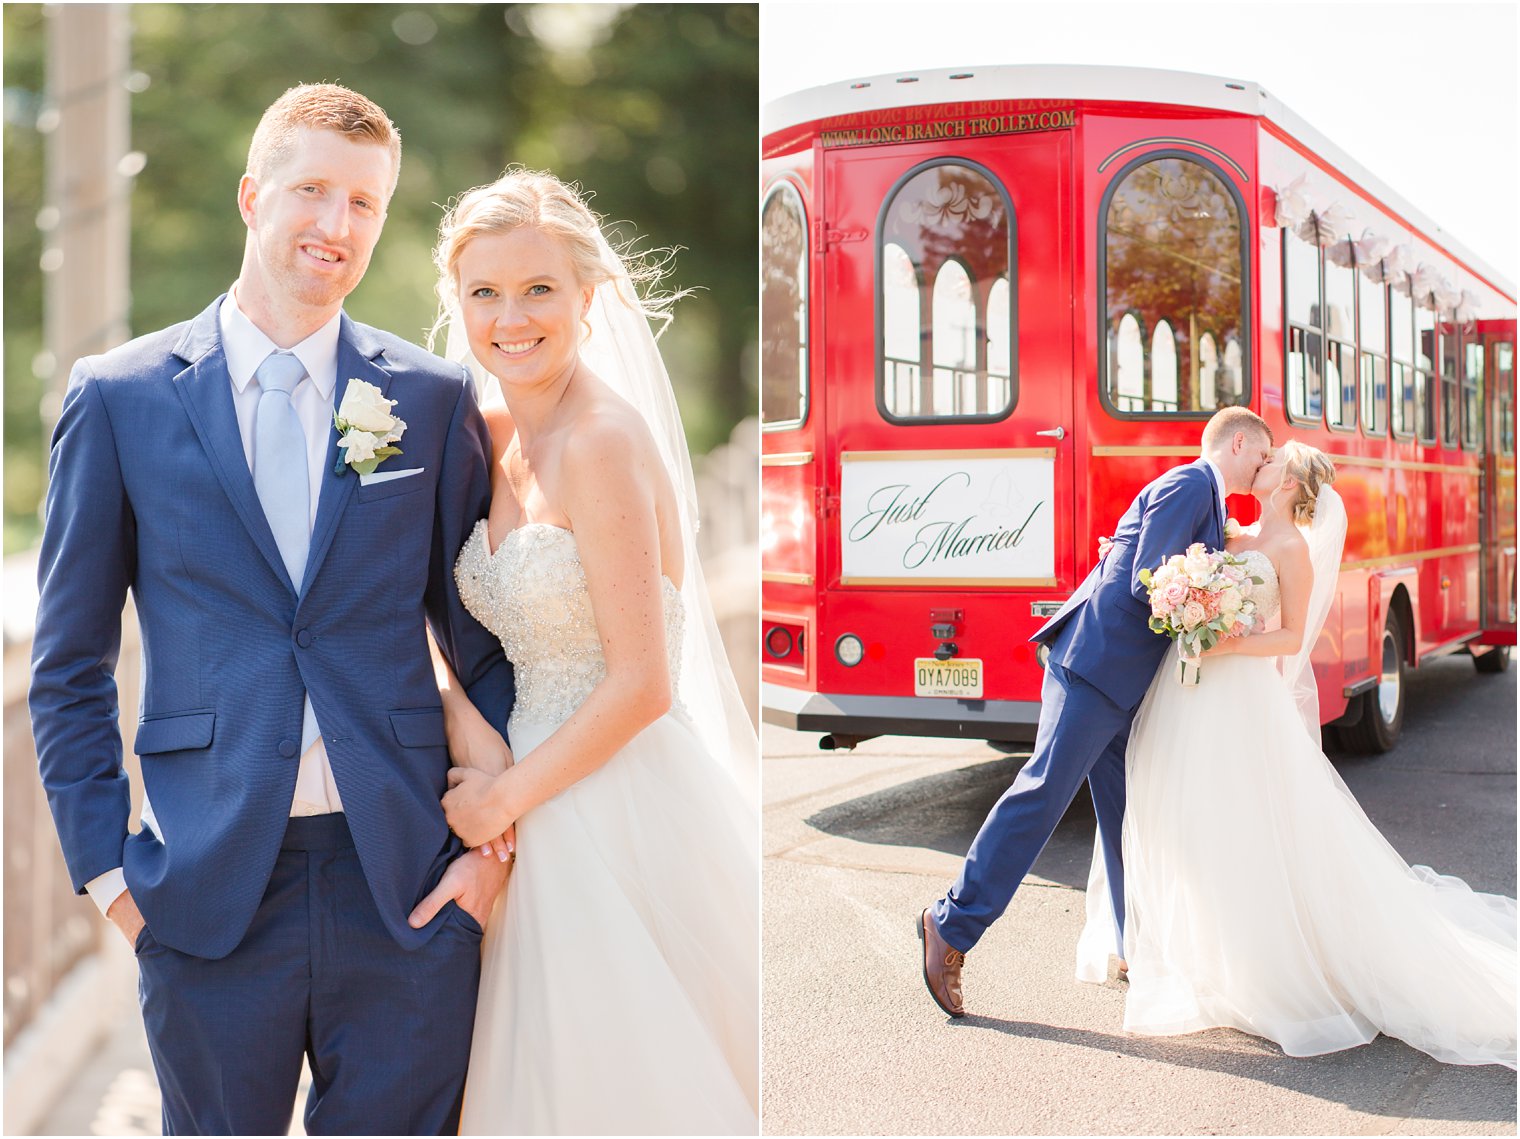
856	843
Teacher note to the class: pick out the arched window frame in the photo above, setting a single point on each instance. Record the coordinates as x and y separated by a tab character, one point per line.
1144	335
1247	378
979	290
1169	338
781	186
1208	337
921	315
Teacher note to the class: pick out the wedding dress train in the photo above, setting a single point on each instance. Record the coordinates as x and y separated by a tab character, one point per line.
1259	896
620	977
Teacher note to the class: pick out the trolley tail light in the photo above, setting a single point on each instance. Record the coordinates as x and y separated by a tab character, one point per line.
849	650
784	644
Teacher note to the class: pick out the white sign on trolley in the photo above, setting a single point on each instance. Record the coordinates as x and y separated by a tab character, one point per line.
984	517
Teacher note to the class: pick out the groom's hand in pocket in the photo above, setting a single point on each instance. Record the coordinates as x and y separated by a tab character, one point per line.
124	915
470	881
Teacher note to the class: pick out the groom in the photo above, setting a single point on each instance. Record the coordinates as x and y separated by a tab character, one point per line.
291	733
1102	657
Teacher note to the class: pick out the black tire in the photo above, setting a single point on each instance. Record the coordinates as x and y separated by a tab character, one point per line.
1008	747
1493	661
1382	716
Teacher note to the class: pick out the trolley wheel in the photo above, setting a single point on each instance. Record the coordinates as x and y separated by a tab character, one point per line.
1008	747
1495	660
1383	708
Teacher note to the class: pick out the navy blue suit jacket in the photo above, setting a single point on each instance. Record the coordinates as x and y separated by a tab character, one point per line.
150	493
1102	632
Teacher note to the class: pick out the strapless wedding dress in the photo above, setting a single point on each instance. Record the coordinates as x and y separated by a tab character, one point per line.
1259	896
619	989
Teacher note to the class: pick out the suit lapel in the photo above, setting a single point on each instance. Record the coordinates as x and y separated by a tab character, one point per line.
1216	525
205	389
358	355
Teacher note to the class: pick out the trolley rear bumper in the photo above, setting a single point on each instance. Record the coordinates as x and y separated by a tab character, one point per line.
1011	720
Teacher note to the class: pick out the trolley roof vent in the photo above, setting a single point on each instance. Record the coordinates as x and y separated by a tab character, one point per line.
908	79
1235	86
858	86
963	75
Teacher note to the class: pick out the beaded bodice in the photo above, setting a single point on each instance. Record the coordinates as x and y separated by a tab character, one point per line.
531	593
1266	595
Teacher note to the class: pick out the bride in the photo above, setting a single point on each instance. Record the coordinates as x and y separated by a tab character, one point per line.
619	985
1258	894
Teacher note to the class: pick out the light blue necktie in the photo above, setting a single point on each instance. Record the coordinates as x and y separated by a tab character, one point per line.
279	461
279	475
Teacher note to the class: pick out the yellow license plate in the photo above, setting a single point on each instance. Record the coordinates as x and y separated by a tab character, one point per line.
960	677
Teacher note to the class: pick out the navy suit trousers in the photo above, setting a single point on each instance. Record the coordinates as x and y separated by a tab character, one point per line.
386	1030
1082	735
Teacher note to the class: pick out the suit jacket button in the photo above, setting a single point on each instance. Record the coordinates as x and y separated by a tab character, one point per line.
288	748
303	638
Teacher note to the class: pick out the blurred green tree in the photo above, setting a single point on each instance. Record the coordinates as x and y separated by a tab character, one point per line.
651	106
25	461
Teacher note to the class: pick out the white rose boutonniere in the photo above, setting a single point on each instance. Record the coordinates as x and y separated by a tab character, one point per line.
366	428
1231	529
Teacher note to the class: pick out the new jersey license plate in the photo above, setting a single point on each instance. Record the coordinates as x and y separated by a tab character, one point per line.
959	677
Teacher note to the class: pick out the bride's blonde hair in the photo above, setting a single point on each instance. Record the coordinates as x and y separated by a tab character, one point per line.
523	197
1312	469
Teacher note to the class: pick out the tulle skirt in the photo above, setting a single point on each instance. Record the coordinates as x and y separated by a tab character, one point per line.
619	987
1259	896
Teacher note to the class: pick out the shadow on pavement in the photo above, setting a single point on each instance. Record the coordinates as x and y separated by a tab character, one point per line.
942	812
1338	1077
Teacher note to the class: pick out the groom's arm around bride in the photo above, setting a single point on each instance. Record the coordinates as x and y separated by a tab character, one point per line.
292	744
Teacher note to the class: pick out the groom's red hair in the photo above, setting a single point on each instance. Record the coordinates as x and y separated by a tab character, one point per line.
1227	420
322	107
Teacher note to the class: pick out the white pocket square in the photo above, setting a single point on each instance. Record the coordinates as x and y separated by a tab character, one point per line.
386	476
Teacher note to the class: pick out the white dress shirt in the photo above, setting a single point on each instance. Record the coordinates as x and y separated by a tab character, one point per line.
1219	483
246	347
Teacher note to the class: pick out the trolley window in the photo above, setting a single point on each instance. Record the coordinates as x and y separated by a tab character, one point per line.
1372	339
1340	346
1304	307
1450	359
1171	255
945	311
1401	371
1504	384
783	308
1472	391
1426	376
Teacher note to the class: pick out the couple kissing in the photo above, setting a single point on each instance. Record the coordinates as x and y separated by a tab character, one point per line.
1234	875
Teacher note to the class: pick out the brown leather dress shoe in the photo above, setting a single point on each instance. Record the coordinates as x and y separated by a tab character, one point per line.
942	967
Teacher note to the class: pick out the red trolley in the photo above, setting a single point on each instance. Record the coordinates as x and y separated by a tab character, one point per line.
997	302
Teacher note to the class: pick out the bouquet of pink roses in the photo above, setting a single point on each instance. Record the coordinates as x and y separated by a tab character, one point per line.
1198	599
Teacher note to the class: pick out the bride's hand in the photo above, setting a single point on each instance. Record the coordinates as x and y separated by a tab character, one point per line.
475	744
473	806
1223	647
503	847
